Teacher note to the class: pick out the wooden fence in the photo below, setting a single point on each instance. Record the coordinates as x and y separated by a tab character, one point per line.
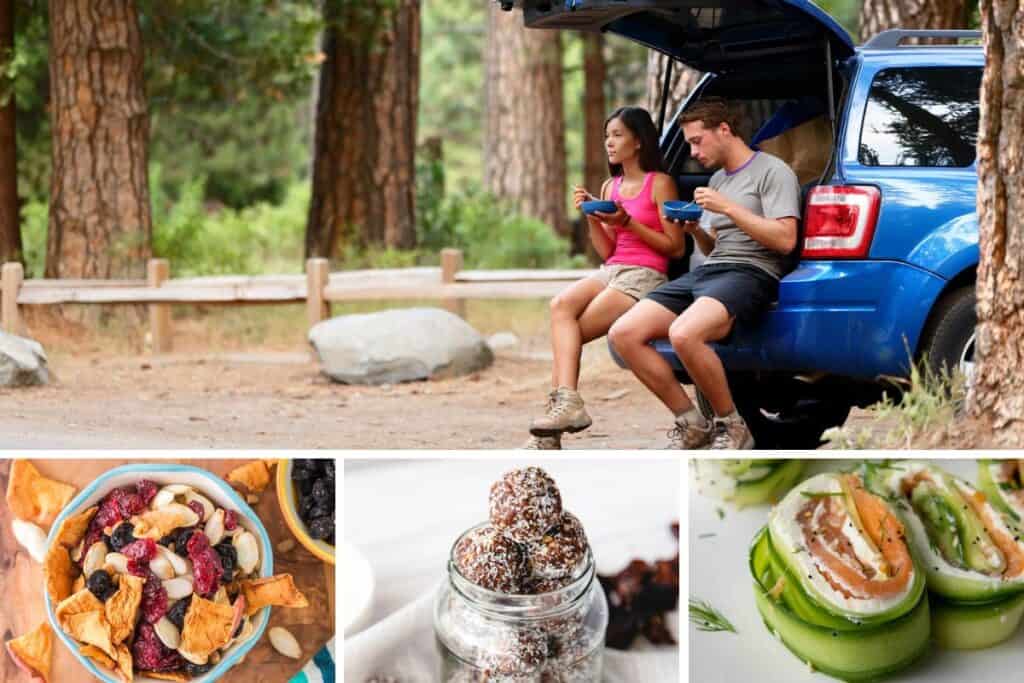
449	284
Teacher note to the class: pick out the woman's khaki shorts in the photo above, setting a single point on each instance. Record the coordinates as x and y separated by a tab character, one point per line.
636	281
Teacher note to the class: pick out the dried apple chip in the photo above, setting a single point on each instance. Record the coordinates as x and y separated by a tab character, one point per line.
254	476
156	524
207	627
166	675
78	585
81	602
34	498
124	663
122	607
91	628
97	655
32	651
73	528
278	590
59	572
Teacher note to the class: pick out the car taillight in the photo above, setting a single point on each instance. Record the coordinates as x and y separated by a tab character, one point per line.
840	221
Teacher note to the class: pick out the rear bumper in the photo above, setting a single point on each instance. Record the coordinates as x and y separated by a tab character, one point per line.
855	318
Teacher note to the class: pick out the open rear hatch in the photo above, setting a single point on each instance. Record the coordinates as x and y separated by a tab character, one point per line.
708	35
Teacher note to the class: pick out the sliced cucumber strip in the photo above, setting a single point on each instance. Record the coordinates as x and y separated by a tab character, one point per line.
973	627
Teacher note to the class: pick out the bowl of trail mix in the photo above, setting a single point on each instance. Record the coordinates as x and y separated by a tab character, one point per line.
161	572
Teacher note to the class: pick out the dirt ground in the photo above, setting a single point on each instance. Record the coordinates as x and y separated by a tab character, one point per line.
271	394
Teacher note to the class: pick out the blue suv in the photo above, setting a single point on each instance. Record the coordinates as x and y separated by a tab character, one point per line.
884	271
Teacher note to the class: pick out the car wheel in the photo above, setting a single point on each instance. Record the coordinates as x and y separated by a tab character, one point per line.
796	424
947	342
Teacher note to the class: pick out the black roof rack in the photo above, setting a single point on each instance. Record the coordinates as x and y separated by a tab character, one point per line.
891	39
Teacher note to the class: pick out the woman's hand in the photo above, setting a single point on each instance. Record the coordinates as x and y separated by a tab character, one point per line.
580	195
619	219
689	227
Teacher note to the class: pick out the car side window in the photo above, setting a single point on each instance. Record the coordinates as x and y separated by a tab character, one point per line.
922	117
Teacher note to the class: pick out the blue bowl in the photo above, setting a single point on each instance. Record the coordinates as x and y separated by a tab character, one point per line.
602	205
681	211
220	493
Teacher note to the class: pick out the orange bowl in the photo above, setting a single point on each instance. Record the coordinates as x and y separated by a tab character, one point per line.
289	508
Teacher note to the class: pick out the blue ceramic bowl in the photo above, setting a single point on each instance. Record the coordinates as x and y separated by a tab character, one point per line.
602	205
681	211
220	494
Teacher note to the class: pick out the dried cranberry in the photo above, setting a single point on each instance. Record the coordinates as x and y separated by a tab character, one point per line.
146	489
131	504
196	507
142	550
154	599
206	565
110	512
150	654
230	520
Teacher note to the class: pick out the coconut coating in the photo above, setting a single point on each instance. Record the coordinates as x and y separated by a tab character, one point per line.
520	650
560	550
491	560
525	503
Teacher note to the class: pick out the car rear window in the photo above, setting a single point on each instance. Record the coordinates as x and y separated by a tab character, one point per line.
921	117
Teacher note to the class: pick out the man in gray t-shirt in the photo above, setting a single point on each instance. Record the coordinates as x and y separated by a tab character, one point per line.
748	227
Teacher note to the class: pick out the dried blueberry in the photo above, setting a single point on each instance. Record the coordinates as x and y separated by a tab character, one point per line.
321	528
303	470
228	560
197	669
100	584
121	537
319	511
176	615
181	540
322	491
329	470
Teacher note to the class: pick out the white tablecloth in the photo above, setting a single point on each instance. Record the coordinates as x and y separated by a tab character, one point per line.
405	514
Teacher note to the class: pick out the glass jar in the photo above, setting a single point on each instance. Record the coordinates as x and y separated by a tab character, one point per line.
554	637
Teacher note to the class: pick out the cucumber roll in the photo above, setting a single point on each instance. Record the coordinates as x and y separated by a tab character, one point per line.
748	482
1003	482
969	546
835	579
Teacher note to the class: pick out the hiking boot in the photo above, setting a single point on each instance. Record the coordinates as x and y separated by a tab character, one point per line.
731	433
543	443
689	435
565	413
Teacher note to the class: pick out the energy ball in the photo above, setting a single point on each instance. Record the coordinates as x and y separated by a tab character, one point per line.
560	550
521	650
491	560
525	503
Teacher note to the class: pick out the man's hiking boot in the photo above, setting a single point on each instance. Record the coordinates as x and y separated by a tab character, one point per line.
731	433
689	435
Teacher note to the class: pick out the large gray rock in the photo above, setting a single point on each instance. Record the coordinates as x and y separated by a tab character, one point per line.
22	362
398	346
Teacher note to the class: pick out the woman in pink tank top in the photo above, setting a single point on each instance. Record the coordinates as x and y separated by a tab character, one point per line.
635	243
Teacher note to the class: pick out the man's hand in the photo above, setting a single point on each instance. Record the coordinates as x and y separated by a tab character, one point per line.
620	218
689	227
711	200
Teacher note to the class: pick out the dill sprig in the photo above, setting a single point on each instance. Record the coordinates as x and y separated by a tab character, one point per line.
707	618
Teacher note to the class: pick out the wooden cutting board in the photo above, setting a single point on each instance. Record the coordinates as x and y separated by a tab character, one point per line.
21	584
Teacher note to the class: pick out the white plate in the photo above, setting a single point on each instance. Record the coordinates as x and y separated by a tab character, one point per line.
719	574
357	584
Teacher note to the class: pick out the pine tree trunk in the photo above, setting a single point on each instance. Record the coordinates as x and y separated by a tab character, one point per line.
10	227
595	160
683	80
524	134
100	221
364	168
880	15
998	388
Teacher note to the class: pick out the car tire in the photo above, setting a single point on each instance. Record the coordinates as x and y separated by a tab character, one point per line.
947	341
797	426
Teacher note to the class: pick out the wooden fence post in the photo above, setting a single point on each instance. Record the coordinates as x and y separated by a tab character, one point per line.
158	270
317	274
451	264
12	276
